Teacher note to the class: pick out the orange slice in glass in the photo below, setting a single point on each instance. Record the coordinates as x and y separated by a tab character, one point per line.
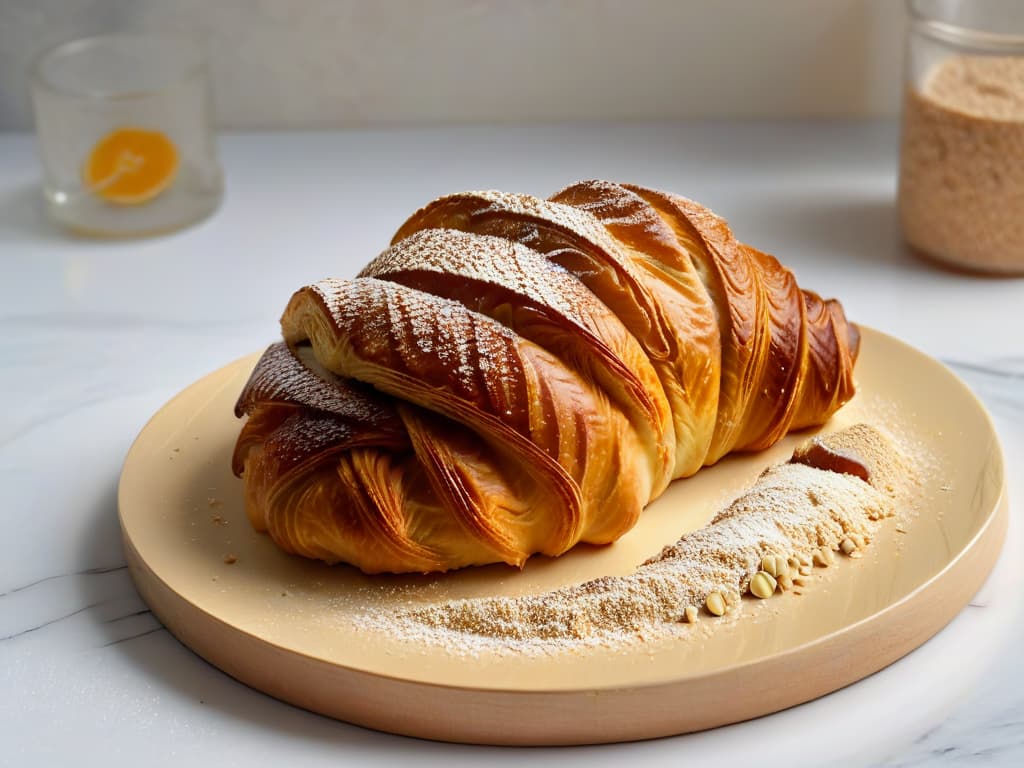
130	166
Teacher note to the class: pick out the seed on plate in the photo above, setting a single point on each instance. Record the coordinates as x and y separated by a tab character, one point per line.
762	585
785	582
823	557
715	604
774	565
847	546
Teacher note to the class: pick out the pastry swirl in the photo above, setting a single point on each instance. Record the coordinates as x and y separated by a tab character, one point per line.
514	376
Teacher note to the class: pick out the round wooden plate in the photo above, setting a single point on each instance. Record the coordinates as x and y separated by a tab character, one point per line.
286	626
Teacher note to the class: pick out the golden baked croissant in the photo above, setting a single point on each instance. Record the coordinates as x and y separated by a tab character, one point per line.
515	375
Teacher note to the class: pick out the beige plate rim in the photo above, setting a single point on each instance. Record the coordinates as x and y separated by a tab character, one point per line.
996	515
736	668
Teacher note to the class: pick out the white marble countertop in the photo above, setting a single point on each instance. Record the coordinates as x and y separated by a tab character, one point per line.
95	336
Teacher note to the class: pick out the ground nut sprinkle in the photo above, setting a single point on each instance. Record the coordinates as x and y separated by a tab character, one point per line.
794	512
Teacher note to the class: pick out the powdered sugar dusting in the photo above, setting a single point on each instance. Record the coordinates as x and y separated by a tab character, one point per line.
327	412
492	260
614	206
577	221
280	377
303	435
394	327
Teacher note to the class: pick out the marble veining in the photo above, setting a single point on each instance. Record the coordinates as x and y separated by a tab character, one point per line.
87	359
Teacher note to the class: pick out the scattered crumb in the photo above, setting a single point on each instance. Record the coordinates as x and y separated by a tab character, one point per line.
230	559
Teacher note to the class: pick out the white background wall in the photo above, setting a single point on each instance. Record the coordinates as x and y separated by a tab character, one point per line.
352	63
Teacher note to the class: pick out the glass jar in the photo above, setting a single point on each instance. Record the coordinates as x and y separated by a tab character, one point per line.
961	180
125	134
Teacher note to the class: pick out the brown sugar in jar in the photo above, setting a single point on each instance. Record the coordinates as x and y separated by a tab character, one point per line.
961	189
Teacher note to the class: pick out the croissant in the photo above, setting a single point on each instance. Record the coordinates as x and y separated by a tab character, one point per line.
514	376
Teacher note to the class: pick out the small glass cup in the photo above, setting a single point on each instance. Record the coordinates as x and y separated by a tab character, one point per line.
961	183
124	125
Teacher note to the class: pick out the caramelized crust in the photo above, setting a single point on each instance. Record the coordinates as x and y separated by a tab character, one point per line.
514	376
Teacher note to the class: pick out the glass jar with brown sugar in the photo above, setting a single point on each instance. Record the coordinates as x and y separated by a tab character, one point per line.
961	183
